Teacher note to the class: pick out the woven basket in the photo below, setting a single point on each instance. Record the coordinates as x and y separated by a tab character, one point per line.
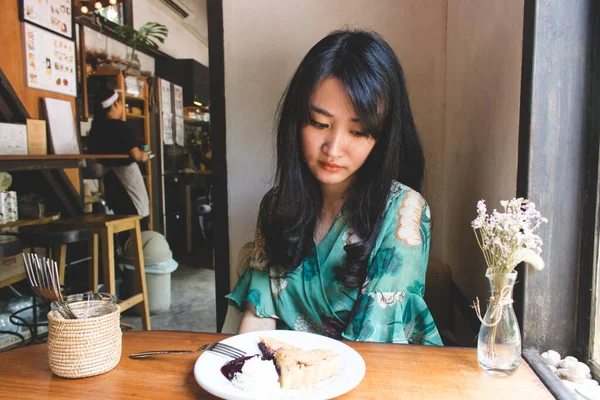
78	348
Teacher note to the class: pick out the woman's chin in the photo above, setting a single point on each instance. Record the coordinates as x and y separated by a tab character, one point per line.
331	178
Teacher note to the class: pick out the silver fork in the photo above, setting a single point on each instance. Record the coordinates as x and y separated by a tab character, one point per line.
218	347
44	281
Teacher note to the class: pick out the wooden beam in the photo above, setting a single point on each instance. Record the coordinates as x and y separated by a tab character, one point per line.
218	142
552	164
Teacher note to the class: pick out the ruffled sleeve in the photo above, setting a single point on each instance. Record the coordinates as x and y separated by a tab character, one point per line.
254	283
390	306
254	286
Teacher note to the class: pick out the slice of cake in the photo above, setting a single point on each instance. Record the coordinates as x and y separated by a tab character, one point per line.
299	368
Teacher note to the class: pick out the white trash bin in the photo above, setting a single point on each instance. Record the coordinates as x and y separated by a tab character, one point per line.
158	264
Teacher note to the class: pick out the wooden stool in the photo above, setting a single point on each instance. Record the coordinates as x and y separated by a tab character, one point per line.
55	236
106	226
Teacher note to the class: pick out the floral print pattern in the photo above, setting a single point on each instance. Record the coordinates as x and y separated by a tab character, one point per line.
389	307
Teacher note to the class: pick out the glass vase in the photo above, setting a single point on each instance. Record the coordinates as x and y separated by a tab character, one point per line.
499	341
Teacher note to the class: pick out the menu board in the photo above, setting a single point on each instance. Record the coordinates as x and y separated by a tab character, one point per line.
50	61
63	135
54	15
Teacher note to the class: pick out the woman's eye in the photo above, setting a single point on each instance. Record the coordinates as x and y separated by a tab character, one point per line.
360	134
318	125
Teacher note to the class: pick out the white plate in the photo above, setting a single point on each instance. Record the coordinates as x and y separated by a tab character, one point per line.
207	370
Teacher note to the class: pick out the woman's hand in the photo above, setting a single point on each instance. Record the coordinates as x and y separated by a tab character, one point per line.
138	155
251	322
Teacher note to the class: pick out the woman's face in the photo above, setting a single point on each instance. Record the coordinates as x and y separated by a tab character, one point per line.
334	143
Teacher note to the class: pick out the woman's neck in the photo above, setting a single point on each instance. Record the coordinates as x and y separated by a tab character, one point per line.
334	197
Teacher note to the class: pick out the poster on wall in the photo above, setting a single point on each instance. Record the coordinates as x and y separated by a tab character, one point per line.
179	131
54	15
167	128
165	95
50	61
178	96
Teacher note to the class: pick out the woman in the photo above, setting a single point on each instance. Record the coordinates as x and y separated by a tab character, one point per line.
125	191
342	241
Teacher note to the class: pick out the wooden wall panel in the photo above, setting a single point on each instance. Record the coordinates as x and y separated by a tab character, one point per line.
12	62
483	75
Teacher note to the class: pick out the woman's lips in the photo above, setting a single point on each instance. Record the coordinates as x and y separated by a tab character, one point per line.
331	167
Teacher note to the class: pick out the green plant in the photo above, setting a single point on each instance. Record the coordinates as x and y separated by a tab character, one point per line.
147	37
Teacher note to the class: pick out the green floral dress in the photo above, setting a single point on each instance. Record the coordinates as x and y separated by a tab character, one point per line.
389	307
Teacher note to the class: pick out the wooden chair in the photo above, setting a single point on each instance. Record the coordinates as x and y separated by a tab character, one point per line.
104	226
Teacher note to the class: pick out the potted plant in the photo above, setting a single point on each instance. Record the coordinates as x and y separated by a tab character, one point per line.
147	37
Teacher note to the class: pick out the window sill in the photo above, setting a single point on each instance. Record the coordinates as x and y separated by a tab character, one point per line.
549	378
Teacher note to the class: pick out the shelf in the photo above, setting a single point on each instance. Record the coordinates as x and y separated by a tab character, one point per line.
96	198
134	116
134	74
50	161
132	97
23	222
59	157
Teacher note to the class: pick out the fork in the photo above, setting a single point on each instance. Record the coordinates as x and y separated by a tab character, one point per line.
44	281
218	347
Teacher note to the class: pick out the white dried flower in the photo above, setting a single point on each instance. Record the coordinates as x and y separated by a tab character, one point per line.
508	238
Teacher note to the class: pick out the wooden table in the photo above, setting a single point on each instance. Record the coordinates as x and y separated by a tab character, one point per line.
393	372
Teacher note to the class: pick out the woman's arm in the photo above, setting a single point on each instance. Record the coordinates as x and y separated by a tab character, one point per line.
251	323
138	155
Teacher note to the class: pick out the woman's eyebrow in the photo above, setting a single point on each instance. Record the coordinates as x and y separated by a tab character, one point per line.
321	111
326	113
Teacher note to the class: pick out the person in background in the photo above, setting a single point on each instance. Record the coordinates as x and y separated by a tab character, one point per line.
124	189
342	240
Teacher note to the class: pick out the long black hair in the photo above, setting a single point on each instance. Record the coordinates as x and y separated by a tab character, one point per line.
373	78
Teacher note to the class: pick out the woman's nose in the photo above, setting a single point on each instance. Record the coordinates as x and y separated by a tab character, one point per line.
334	143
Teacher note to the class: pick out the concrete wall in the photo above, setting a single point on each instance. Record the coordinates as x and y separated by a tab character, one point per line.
188	38
264	43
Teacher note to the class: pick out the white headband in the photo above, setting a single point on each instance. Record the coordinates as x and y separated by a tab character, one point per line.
110	101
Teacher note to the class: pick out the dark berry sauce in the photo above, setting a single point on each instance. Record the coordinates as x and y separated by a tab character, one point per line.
266	354
235	366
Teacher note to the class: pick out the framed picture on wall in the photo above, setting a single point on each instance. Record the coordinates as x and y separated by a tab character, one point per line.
54	15
50	61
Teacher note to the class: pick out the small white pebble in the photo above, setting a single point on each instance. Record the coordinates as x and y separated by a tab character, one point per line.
588	392
568	362
588	382
588	376
570	385
551	357
581	367
570	374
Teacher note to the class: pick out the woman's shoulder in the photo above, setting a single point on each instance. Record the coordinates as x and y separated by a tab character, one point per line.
406	203
408	212
405	197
